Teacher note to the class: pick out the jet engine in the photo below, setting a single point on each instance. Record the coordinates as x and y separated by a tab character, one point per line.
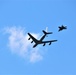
28	38
31	41
44	44
50	43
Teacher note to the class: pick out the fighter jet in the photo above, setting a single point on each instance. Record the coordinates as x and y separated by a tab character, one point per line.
62	28
36	41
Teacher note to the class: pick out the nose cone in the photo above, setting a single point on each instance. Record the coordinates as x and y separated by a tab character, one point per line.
65	27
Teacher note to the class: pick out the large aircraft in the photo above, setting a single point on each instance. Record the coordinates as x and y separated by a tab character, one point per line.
36	41
62	27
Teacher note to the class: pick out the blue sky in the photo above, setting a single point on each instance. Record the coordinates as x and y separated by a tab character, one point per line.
18	17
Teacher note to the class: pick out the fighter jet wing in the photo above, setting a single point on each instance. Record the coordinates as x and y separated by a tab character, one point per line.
59	27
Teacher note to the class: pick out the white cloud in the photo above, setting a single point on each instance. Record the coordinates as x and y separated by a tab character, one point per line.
19	44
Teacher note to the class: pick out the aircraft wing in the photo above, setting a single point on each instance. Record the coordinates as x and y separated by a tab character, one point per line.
48	41
59	27
34	39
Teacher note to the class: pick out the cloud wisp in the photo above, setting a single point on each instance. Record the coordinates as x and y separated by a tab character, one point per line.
19	44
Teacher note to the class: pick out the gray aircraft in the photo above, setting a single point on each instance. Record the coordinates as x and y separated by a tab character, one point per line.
36	41
62	28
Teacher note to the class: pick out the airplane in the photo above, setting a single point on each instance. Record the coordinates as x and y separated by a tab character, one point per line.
62	27
41	39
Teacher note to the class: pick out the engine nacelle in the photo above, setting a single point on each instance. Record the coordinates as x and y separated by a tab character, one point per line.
28	38
31	41
50	43
44	44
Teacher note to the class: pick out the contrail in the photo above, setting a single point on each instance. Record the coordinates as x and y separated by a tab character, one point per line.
46	29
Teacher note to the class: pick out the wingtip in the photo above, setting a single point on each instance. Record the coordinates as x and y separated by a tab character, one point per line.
56	40
51	32
27	33
58	30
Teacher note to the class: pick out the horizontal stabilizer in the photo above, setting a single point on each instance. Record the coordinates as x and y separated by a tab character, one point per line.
46	32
